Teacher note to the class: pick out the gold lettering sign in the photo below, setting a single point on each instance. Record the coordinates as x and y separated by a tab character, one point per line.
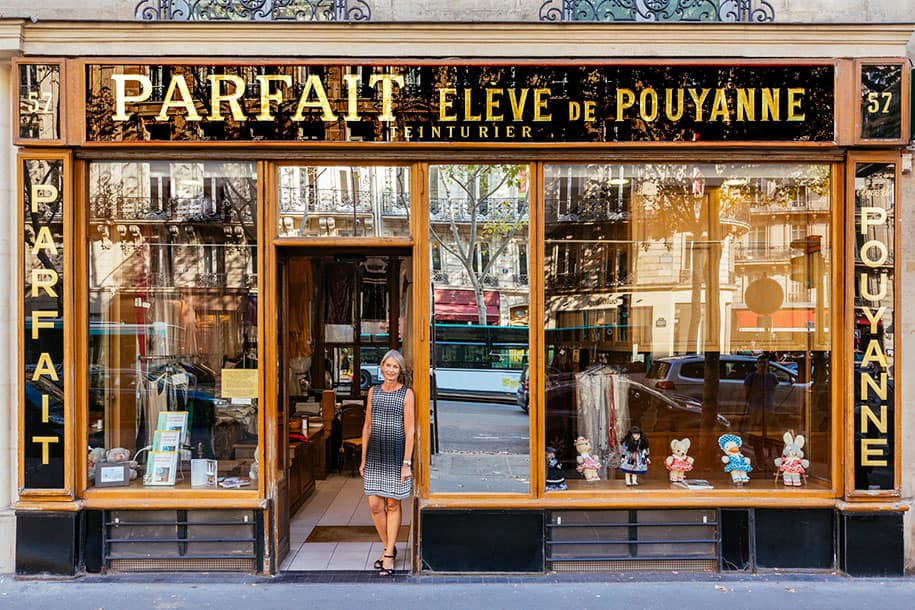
43	432
874	396
407	103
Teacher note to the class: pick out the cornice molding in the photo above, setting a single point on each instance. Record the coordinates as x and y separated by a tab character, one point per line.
11	37
466	40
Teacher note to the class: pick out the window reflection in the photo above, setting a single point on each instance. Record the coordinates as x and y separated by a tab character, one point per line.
344	201
665	284
478	226
173	308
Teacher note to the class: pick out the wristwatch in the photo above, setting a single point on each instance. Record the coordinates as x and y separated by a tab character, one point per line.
408	463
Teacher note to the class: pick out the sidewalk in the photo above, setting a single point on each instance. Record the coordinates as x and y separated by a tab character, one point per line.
478	471
665	591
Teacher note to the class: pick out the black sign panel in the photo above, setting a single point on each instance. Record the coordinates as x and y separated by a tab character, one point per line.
875	315
44	434
576	104
39	101
881	102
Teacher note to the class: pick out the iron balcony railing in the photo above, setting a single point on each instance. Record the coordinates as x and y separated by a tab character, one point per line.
720	11
330	200
253	10
490	209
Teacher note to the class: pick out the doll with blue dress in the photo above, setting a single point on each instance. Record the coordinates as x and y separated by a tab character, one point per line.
735	462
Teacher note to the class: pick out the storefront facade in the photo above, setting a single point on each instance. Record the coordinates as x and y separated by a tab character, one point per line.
193	231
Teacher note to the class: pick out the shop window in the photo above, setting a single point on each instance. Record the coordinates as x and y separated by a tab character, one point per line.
324	201
172	353
479	347
701	289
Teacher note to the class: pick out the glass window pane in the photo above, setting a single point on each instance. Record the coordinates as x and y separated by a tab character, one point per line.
690	301
173	314
481	428
344	201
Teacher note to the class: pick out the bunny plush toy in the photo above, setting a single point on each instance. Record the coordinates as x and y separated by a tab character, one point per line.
792	463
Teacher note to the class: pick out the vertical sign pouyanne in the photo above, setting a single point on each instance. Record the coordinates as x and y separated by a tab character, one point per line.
43	408
874	382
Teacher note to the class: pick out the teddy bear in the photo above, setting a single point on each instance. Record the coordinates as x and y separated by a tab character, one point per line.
119	455
735	461
96	456
678	463
792	463
588	465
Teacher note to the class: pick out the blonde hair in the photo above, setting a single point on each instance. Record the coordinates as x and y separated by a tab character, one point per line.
397	357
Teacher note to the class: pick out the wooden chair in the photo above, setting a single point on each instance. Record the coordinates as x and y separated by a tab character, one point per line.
352	419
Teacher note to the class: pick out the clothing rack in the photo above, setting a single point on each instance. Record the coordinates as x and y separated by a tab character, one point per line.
168	357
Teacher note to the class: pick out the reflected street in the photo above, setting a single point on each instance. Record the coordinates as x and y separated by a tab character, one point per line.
483	447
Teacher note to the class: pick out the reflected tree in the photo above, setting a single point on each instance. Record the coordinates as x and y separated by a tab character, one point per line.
708	203
479	206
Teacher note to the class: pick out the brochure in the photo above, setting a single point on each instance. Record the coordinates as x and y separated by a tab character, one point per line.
234	482
166	440
695	484
174	420
161	468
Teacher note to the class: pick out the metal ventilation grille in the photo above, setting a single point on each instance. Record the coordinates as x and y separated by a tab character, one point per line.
176	540
641	565
178	564
685	540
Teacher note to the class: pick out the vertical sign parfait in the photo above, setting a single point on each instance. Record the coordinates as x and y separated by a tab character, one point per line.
43	418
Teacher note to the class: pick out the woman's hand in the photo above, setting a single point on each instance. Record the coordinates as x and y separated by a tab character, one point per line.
406	472
362	469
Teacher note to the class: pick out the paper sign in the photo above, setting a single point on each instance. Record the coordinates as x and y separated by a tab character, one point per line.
239	383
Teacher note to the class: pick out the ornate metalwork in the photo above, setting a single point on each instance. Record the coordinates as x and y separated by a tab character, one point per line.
745	11
495	209
253	10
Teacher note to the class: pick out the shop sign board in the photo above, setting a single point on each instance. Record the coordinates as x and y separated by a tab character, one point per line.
38	87
881	102
623	103
43	416
875	300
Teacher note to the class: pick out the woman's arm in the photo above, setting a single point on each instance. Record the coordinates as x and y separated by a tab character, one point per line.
409	414
366	430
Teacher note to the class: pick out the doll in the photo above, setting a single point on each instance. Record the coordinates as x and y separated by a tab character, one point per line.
635	455
678	463
588	465
735	462
792	463
555	480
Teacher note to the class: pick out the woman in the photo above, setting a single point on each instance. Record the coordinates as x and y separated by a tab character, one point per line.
387	447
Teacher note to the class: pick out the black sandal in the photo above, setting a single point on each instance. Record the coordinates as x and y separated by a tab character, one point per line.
383	571
379	563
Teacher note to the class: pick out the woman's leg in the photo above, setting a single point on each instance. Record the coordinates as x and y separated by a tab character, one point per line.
379	519
394	518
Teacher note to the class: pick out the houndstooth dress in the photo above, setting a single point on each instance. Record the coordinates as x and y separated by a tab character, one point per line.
384	454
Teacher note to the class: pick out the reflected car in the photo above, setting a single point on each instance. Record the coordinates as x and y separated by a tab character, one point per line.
685	375
557	382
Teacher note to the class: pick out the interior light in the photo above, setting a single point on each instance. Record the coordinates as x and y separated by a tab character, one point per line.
616	181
